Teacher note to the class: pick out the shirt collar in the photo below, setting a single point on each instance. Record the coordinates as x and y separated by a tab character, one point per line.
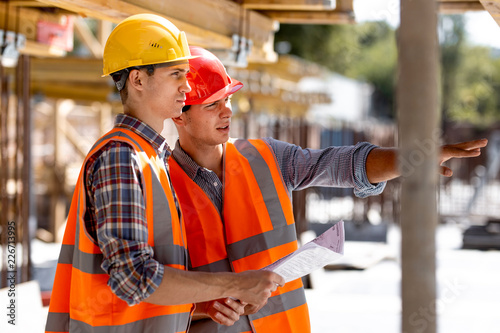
144	130
187	164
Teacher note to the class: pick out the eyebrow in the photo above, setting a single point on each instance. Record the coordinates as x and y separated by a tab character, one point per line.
180	69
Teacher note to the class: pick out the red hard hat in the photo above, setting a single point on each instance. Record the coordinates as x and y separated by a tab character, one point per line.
208	78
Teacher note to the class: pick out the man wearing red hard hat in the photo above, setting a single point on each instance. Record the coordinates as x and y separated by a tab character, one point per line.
235	195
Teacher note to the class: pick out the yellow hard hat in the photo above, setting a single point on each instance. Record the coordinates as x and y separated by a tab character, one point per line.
144	39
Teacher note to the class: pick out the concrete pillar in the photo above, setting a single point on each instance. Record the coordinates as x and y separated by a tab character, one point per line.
417	100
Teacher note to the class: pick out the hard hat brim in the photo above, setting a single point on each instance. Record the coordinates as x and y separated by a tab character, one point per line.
230	89
175	62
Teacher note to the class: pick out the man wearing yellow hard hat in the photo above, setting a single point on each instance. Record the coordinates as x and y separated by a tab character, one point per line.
123	260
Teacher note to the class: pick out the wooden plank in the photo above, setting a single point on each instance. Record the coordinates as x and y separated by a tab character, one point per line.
28	3
345	5
68	70
493	8
212	23
33	48
443	1
309	17
81	143
223	17
289	68
289	4
104	29
459	7
76	91
28	19
116	11
87	37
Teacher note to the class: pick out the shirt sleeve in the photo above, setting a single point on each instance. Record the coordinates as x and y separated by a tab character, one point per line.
122	231
343	166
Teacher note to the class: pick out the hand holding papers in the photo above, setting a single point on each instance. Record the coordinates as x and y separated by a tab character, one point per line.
321	251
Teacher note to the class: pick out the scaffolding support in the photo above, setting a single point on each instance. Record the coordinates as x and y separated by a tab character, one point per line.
417	99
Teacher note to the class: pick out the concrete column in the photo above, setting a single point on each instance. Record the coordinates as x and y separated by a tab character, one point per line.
417	100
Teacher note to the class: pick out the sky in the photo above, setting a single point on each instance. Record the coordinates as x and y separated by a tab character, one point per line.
481	28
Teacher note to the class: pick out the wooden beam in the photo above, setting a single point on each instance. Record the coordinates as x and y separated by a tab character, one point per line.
81	143
418	118
443	1
28	3
223	17
87	37
493	7
104	29
33	48
68	70
309	17
459	7
74	91
289	4
345	6
28	19
71	78
288	68
213	23
117	10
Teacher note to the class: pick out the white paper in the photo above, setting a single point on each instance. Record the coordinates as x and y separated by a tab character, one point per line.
321	251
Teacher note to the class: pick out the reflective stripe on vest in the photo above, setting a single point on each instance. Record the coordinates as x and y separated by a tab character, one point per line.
257	229
81	299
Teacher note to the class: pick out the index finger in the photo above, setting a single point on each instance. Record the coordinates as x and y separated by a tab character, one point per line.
236	305
471	144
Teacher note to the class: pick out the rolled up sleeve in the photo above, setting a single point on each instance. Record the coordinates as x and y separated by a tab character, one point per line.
343	166
363	188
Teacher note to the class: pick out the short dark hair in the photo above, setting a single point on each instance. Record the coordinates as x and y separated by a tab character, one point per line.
186	108
120	79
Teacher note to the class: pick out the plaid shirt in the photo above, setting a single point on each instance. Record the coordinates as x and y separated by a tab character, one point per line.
116	213
300	168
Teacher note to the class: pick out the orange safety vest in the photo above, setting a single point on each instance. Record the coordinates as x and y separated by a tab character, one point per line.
81	300
256	229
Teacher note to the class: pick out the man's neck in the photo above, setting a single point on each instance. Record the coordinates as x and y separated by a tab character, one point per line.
156	124
209	157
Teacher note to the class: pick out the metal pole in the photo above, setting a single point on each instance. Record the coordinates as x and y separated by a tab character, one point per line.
417	99
3	183
27	171
5	173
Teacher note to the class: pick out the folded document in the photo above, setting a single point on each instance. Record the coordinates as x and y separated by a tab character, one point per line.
321	251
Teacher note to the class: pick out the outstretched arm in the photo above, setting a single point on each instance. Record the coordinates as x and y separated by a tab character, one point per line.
382	163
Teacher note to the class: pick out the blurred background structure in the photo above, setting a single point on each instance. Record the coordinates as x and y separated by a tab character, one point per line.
314	75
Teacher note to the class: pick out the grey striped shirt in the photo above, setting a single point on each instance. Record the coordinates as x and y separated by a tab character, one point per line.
301	168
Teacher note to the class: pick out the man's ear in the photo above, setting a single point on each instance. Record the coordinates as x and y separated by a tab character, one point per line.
179	121
135	79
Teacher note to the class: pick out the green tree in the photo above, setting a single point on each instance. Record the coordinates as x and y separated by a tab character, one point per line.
469	76
474	100
365	51
452	38
377	63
